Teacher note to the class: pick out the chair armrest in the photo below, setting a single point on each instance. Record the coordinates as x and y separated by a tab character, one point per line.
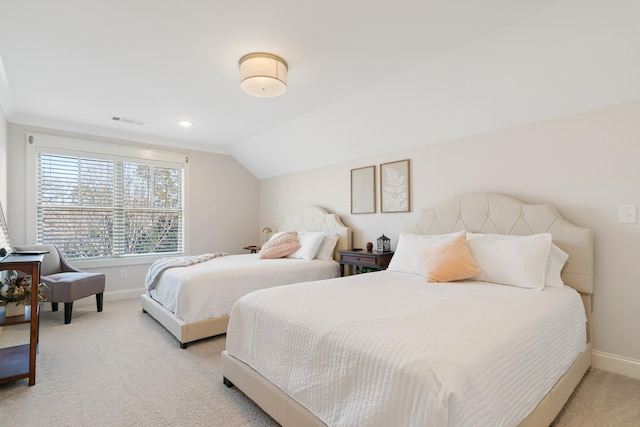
66	267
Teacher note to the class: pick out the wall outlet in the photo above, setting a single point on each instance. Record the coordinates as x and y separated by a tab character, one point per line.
123	274
628	214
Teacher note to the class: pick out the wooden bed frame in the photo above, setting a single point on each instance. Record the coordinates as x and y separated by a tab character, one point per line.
479	213
310	218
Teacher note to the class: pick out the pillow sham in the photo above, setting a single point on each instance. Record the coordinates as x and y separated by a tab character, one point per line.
519	261
449	261
278	234
309	245
283	245
406	258
328	246
555	263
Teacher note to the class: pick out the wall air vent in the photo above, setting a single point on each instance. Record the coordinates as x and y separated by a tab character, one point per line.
123	120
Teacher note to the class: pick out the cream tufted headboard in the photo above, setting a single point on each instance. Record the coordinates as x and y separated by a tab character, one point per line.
500	214
312	218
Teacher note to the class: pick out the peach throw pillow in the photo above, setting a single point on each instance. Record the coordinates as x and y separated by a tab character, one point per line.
449	261
283	245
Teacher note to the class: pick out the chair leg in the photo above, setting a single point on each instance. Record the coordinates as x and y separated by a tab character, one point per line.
68	307
54	306
99	301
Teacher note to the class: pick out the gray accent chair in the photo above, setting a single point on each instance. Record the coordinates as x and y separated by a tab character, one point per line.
66	283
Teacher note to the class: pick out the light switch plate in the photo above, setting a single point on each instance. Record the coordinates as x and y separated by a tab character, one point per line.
628	214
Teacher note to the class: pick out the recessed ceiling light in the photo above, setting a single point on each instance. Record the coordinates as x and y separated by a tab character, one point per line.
185	123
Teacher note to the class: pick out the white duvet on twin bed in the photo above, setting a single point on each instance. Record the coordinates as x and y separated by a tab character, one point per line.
389	349
209	289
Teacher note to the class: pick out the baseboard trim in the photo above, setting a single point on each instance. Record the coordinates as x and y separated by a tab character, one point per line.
616	364
113	296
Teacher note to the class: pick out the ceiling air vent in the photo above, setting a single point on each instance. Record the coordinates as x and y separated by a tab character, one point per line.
123	120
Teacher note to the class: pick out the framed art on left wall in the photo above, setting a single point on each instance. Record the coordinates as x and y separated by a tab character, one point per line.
363	190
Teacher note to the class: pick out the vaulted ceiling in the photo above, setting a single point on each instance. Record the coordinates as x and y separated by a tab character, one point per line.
366	77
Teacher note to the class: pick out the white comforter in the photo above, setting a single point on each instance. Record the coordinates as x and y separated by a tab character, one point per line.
388	349
163	264
210	288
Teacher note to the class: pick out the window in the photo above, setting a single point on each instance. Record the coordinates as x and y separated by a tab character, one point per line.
97	205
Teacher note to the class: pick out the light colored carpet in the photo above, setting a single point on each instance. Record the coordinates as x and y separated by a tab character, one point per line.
121	368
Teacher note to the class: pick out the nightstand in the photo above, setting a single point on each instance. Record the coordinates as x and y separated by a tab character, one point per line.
253	249
369	261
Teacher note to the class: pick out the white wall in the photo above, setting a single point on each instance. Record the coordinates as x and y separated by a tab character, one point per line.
570	57
3	158
585	164
223	212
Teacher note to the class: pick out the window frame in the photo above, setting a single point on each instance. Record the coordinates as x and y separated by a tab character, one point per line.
37	143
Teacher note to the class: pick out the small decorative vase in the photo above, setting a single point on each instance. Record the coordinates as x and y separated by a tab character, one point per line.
14	310
369	246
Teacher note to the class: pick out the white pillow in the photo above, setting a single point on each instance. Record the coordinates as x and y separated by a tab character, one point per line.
327	247
406	258
310	244
511	260
278	234
555	263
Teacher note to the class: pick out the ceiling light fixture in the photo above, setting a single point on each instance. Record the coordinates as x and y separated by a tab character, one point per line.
263	75
185	123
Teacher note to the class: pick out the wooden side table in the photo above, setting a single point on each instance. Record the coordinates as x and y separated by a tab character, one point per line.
370	260
252	248
20	361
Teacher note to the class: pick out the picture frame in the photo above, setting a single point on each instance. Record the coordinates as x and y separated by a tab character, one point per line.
363	190
395	187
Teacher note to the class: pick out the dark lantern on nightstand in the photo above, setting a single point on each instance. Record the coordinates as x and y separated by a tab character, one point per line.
384	244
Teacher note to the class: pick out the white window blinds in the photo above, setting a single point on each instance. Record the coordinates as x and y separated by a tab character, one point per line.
96	206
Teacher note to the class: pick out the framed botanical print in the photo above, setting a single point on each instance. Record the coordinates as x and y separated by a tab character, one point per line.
363	190
394	187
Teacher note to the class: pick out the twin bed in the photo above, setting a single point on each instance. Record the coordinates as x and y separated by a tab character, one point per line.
504	348
194	302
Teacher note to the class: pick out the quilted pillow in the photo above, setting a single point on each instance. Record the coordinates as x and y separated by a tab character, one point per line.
449	261
329	242
309	245
555	262
406	258
511	260
283	245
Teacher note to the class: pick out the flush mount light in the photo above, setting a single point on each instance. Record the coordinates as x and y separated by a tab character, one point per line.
263	75
185	123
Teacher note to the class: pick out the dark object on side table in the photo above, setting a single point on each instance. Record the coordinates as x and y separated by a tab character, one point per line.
384	244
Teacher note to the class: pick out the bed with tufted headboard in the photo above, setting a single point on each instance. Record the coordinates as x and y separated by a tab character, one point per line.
386	348
193	302
500	214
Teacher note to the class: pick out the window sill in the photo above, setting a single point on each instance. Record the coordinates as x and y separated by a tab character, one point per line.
117	262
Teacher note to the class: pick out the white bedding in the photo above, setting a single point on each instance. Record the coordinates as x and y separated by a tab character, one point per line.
388	349
209	289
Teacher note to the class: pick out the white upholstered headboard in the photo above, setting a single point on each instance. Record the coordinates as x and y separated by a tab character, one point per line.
500	214
313	218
